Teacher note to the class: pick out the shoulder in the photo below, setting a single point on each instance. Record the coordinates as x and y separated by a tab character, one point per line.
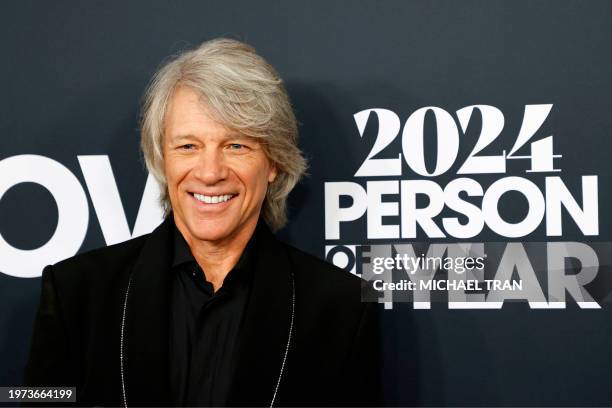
105	256
324	284
98	264
306	267
320	270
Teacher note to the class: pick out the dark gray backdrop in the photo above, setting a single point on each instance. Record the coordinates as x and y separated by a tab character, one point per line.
72	74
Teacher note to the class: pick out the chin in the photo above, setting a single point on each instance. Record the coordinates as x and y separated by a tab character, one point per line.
211	230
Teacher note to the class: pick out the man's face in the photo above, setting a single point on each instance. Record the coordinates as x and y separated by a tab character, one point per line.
217	178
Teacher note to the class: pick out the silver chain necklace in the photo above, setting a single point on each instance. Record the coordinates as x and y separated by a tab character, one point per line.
282	369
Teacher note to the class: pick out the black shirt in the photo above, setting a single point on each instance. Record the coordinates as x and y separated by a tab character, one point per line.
204	326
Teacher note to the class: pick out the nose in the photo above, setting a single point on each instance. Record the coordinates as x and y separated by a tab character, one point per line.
211	167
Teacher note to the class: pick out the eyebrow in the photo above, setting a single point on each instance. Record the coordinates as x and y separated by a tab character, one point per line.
183	137
189	136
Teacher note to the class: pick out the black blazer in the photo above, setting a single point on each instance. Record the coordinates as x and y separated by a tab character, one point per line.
87	334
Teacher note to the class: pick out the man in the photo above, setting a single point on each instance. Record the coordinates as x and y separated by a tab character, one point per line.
210	308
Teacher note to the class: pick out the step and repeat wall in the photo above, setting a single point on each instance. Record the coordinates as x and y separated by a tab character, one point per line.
459	160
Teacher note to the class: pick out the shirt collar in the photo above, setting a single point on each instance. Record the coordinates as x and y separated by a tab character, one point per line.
183	255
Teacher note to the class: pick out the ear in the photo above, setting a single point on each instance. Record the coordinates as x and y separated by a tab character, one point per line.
272	173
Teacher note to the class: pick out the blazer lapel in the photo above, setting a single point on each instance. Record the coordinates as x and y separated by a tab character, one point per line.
146	334
263	336
265	328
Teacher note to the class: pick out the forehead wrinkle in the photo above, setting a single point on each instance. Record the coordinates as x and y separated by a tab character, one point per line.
224	136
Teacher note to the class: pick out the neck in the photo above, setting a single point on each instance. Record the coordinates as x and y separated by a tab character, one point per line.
217	258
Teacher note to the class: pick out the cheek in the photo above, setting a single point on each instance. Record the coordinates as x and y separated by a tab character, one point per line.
254	179
262	182
170	177
175	170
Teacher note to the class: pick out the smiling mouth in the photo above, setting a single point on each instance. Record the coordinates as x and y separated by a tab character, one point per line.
210	199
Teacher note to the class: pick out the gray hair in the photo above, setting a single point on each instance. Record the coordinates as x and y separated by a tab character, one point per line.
244	93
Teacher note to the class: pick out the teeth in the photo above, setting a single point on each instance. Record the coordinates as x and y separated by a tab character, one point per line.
212	199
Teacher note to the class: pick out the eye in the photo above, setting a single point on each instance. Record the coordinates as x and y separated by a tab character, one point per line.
236	146
188	146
